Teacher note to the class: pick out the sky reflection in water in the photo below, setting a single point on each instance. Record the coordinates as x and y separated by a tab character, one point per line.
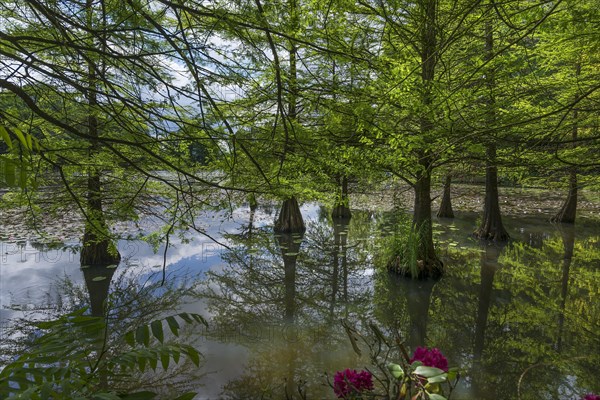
523	312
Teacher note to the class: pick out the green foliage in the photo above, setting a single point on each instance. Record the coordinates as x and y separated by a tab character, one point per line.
400	245
71	358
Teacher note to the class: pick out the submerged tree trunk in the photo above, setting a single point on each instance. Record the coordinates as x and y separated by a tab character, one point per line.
98	248
419	260
445	210
428	263
491	226
290	218
568	211
342	207
424	263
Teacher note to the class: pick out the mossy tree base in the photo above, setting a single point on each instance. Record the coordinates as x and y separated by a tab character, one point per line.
98	252
430	268
289	219
493	232
418	259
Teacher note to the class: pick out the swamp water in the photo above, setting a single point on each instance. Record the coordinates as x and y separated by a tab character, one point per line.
521	321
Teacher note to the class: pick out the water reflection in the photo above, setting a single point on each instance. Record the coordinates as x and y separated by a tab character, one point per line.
293	288
567	232
523	319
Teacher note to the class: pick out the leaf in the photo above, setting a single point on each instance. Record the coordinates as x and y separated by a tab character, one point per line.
157	330
396	371
106	396
428	372
433	396
21	137
153	361
139	396
453	374
173	325
186	396
5	136
99	278
141	361
164	360
438	379
193	355
176	356
130	338
200	319
186	317
142	335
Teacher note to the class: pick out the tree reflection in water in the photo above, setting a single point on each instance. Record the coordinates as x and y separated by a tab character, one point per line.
291	290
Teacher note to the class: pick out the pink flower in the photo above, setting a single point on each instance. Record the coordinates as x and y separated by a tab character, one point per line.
349	382
591	396
431	358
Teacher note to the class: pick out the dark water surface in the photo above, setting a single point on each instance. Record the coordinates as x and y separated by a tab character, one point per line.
521	320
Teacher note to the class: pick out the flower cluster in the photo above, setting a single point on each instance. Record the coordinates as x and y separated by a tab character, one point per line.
591	396
430	358
350	382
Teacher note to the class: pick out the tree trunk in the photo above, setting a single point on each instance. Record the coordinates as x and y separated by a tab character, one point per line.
445	210
428	264
290	218
341	209
491	226
98	248
424	263
568	211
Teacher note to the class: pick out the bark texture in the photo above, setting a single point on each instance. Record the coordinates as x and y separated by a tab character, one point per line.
568	211
445	210
491	227
290	218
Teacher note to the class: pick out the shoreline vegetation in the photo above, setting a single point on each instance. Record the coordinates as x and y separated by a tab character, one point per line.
20	224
